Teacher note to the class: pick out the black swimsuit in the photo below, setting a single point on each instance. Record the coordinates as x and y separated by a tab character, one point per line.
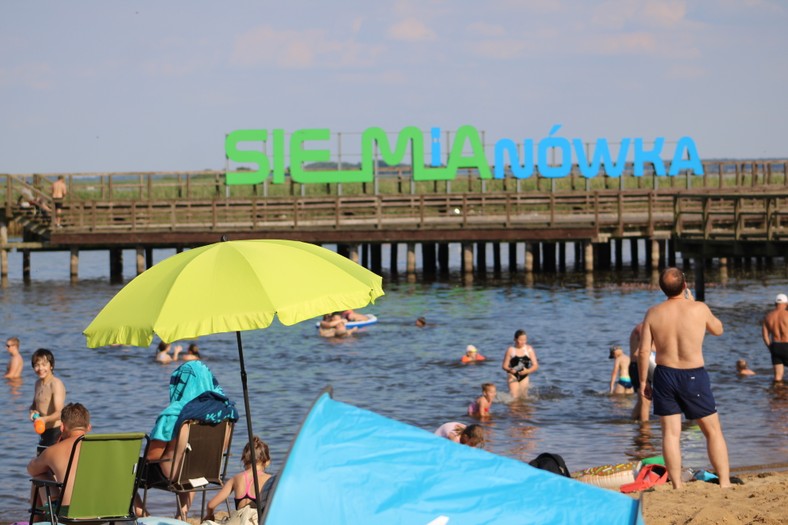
519	363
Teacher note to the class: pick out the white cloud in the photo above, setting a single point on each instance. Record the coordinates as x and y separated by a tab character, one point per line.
411	30
300	49
486	30
33	75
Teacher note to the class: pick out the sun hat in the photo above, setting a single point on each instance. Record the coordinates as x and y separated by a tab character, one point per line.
781	298
471	348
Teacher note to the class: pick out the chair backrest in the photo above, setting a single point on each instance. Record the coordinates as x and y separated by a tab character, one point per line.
103	475
201	452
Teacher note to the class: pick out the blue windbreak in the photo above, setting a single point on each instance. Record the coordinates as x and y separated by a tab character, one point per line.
353	466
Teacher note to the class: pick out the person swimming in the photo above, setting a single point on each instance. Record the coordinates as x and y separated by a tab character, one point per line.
472	355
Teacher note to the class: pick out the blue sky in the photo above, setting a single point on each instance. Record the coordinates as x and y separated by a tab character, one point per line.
90	86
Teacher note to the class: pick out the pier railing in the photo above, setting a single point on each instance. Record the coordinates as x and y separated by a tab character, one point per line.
735	200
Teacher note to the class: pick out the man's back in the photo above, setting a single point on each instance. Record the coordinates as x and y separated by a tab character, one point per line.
677	328
53	462
776	324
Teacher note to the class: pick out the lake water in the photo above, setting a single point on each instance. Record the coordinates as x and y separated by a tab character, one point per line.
404	372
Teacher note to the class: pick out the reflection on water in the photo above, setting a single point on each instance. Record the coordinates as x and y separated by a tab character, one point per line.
413	374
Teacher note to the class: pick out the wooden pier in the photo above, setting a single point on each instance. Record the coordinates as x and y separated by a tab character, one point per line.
738	209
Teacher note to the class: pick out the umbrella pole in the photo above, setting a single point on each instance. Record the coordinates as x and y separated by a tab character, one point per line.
249	423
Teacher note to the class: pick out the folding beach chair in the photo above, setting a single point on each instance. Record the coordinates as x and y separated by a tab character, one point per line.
199	463
101	477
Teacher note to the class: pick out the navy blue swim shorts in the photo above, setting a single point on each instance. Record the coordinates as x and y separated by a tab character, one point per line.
687	391
779	353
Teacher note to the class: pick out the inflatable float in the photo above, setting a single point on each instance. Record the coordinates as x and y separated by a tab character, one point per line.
371	319
609	476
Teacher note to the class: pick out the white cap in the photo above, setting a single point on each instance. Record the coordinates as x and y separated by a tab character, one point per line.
781	298
471	348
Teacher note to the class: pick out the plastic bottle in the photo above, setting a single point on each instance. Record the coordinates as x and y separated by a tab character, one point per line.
38	424
687	475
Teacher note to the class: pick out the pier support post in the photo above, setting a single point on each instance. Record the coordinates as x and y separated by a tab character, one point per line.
148	257
443	258
4	263
548	257
512	257
376	256
561	256
74	264
140	260
537	247
496	246
481	258
588	256
528	265
411	259
115	265
26	266
619	250
393	258
429	260
700	282
633	250
577	246
655	253
467	258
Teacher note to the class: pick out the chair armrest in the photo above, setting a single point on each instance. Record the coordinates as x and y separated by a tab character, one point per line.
46	482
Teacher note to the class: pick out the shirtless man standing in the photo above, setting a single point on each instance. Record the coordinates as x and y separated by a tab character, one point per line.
59	190
15	362
677	327
775	335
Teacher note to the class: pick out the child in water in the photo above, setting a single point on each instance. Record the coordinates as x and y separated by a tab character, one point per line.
742	369
481	407
471	355
49	396
620	382
243	483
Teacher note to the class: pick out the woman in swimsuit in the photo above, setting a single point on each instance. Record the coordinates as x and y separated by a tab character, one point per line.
243	482
519	361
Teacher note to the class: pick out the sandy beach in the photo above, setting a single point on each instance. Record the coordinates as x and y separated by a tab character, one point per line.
759	501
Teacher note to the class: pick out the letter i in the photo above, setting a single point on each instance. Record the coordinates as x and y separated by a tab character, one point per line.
435	135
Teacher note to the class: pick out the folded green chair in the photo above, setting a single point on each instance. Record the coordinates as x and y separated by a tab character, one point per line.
102	475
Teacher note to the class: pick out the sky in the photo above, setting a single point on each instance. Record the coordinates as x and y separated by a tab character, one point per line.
93	86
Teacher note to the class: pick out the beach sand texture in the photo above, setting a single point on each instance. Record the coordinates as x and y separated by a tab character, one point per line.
759	501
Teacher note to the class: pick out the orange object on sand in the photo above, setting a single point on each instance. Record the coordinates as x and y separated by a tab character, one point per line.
649	476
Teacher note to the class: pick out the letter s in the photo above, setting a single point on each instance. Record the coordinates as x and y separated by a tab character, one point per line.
246	156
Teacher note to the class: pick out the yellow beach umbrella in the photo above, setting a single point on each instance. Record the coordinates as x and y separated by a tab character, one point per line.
230	287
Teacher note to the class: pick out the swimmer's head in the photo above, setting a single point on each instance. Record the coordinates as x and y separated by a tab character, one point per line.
421	322
613	350
470	349
741	364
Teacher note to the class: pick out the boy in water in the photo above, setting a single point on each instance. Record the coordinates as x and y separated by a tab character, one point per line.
620	371
49	397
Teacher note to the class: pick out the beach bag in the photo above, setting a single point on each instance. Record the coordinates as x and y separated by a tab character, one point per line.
551	463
